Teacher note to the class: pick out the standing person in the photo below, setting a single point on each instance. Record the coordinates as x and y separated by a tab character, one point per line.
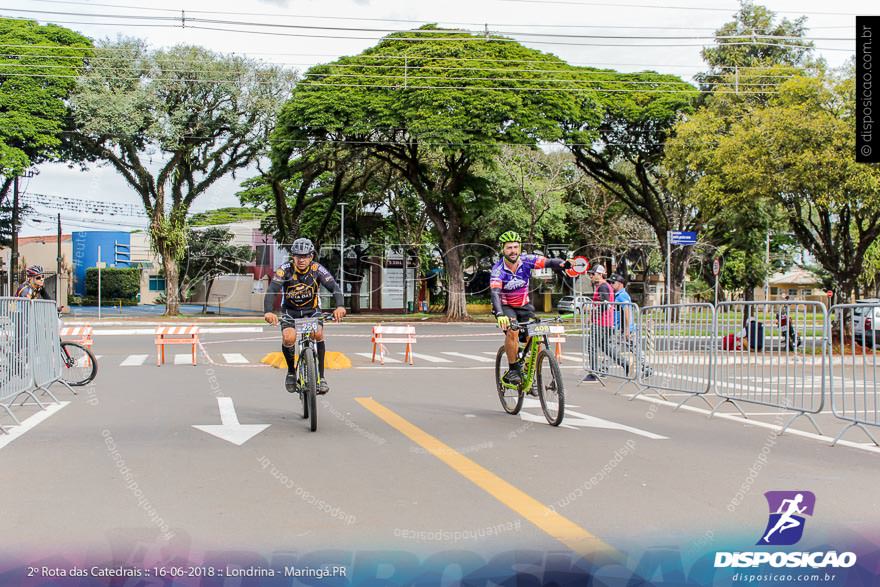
509	289
297	283
786	324
602	317
624	321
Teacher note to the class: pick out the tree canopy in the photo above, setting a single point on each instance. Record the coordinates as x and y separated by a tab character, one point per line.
172	122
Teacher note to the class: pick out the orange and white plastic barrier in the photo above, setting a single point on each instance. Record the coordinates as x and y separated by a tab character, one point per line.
383	334
81	335
556	338
166	335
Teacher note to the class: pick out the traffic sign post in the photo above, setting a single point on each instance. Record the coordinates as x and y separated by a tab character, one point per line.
677	238
100	265
716	269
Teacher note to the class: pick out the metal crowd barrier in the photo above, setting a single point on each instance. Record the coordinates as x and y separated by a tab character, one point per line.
609	349
45	344
772	354
29	351
855	334
676	342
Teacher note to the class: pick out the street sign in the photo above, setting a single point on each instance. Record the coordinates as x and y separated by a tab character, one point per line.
579	266
682	237
716	267
829	293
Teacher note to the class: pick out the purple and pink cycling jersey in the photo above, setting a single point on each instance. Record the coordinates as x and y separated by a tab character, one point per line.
514	285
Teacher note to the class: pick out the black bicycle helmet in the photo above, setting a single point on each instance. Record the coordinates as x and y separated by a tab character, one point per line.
302	246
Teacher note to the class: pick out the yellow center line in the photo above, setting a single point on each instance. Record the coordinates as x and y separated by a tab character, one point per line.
558	527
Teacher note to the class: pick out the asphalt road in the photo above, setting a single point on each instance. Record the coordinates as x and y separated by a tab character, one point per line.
416	458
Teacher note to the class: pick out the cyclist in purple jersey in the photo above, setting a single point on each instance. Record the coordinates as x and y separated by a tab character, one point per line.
509	289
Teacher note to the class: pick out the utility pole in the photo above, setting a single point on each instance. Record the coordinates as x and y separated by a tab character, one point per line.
58	266
767	272
342	251
13	257
668	266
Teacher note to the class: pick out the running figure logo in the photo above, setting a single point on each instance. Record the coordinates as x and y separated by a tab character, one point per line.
787	509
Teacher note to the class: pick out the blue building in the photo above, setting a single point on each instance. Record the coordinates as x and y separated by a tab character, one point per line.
115	252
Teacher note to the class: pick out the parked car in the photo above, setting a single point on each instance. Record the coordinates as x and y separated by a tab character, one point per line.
866	322
571	304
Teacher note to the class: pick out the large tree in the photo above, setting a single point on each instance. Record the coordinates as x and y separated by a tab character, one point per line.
796	152
626	159
753	40
436	110
38	69
173	122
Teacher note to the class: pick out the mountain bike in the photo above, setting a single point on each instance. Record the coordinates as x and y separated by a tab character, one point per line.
541	370
307	376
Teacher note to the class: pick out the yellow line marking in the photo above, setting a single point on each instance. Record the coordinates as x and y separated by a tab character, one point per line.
558	527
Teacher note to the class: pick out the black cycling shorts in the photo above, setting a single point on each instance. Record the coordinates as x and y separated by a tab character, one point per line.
520	314
287	317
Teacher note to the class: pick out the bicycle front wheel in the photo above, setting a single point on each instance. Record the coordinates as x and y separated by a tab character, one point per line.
550	388
310	390
511	398
78	364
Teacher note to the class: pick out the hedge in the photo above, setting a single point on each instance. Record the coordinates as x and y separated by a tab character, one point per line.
116	282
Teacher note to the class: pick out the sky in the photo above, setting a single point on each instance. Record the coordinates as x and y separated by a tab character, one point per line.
160	22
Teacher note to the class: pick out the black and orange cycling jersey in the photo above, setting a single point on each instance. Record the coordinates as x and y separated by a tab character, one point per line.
299	289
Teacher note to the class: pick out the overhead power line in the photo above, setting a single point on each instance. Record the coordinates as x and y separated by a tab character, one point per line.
188	20
278	14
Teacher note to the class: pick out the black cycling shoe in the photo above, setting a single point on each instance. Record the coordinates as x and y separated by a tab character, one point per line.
290	382
323	387
513	377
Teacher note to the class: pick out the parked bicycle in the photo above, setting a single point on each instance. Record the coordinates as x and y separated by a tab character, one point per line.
541	372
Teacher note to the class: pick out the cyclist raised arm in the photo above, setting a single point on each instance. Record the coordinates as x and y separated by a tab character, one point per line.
298	282
509	290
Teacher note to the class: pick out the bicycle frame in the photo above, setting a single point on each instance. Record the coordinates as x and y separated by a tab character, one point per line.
304	339
528	352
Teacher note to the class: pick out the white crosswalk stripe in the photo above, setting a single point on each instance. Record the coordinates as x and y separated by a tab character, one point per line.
429	358
370	356
133	361
235	358
183	359
467	356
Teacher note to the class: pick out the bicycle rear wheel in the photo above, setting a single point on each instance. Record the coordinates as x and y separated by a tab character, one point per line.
310	391
511	399
550	388
78	364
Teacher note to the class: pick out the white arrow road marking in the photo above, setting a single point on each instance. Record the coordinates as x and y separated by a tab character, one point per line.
584	421
229	429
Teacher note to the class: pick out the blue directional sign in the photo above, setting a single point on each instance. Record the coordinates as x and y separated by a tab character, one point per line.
681	237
